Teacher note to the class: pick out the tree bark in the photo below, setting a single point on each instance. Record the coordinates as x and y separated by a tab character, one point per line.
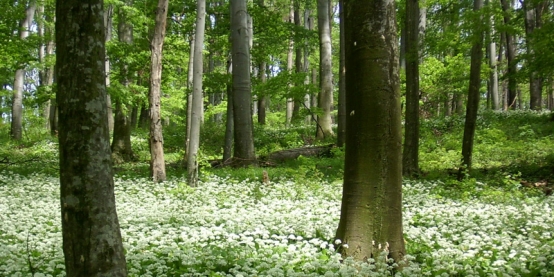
533	18
91	238
197	103
473	93
290	100
242	92
108	19
121	143
157	161
341	122
510	56
262	99
190	78
371	214
16	130
325	97
410	155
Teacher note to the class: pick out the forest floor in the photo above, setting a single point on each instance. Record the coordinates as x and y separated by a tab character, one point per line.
497	221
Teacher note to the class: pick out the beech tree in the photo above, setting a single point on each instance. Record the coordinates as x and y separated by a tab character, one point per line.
90	228
325	97
157	161
243	153
371	211
197	101
18	83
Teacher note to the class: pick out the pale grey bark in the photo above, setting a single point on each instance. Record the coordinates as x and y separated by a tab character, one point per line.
290	100
325	97
92	243
18	83
197	103
190	78
341	119
309	25
242	92
108	20
157	161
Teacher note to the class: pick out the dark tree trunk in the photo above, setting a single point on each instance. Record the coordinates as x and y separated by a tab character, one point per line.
262	99
533	20
410	155
243	153
144	117
473	94
90	228
121	144
371	214
510	56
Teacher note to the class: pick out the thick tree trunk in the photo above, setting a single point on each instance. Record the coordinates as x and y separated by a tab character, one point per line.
121	143
473	95
91	238
157	161
410	155
325	97
242	93
18	83
371	214
197	103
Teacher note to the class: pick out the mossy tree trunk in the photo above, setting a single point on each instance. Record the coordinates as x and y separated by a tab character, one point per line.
91	237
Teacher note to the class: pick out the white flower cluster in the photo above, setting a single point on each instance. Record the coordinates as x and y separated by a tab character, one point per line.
230	228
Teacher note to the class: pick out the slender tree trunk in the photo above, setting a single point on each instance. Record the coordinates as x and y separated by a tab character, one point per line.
108	19
242	93
298	61
371	213
473	94
197	103
190	78
533	21
157	162
325	97
410	156
341	128
17	101
510	56
309	25
92	241
121	143
290	100
229	130
262	101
